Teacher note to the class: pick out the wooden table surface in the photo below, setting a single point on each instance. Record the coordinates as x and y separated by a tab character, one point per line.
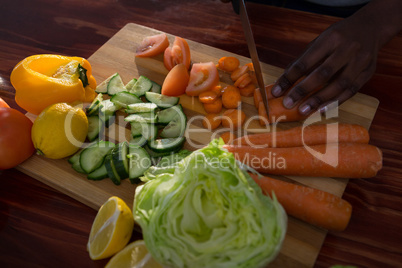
41	227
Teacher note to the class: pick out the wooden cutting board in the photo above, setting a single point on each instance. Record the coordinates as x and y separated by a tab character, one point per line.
303	241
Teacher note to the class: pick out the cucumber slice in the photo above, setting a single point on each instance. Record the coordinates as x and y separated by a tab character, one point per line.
155	155
139	161
148	131
130	84
115	85
176	127
75	163
102	87
142	85
92	157
123	99
146	107
95	127
107	112
136	129
120	161
142	118
138	141
98	174
166	145
93	109
111	171
166	116
156	87
162	101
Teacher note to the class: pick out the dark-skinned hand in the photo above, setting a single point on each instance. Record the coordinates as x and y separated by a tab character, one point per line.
340	60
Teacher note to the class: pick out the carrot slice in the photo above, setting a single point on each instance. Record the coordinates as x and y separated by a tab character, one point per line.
239	72
243	81
309	135
228	64
211	121
214	107
250	66
231	97
228	137
248	91
217	89
354	160
233	118
311	205
208	96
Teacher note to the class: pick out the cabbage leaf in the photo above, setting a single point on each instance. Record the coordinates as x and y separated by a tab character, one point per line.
205	211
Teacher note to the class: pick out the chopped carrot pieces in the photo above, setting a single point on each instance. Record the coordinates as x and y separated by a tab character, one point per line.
208	96
233	118
211	121
243	81
231	97
214	107
248	91
228	64
239	72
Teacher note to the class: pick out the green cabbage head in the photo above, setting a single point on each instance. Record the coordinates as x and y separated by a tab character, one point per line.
208	212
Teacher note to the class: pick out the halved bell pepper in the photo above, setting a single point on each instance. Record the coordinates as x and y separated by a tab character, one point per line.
42	80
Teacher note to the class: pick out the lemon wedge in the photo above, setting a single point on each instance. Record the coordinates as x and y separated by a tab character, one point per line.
111	229
133	255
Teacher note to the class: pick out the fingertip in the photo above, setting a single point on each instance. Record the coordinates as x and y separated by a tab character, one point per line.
305	109
288	102
276	91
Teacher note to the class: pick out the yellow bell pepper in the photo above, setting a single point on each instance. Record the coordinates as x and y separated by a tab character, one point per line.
42	80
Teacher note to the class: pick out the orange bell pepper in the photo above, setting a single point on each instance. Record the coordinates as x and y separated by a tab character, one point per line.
42	80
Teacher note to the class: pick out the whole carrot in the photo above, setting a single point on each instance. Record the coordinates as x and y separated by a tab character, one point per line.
309	135
343	160
311	205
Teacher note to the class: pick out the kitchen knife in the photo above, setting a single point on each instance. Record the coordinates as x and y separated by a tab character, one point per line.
240	8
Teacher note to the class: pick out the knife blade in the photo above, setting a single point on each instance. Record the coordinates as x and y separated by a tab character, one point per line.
241	9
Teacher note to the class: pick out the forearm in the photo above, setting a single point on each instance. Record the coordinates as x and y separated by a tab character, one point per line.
382	16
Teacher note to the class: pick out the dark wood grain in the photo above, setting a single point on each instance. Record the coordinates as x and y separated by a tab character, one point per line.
41	227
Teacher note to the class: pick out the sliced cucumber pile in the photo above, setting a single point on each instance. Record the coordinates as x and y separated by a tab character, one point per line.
157	122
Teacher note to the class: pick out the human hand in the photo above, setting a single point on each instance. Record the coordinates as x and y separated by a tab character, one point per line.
339	61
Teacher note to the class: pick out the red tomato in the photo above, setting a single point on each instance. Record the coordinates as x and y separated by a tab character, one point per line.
152	45
178	53
167	59
203	77
3	104
15	138
176	81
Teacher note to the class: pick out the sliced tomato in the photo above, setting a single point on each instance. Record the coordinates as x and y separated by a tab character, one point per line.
3	104
176	81
152	45
178	53
203	76
167	58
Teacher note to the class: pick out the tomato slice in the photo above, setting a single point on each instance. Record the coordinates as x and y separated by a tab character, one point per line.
203	76
178	53
3	104
176	81
167	58
152	45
